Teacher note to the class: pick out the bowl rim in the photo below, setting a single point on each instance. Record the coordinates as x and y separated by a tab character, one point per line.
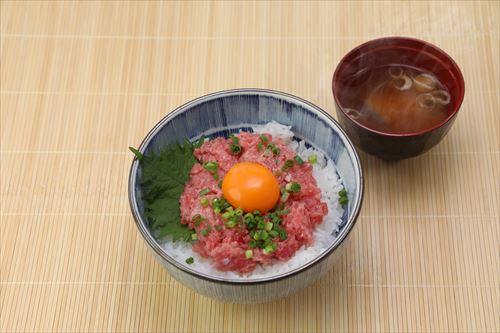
452	63
159	251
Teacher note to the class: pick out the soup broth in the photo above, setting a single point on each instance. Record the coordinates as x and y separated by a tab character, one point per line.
396	99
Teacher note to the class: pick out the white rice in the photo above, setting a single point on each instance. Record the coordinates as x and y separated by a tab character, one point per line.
329	183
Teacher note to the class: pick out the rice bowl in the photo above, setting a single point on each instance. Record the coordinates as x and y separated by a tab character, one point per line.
226	112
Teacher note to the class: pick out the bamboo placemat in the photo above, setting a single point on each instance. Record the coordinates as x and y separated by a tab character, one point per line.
82	81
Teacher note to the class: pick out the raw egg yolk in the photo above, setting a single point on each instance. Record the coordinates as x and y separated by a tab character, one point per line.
251	186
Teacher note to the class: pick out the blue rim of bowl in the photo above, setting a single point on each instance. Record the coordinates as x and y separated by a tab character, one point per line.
155	246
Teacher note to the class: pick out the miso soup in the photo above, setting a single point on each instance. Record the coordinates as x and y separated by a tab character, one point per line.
395	99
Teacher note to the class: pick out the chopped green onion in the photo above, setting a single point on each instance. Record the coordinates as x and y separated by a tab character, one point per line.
270	248
263	138
238	212
296	187
219	184
293	187
282	233
276	151
189	260
288	164
204	202
256	212
284	197
231	223
272	147
216	176
197	219
260	146
273	233
284	212
227	215
252	243
313	159
235	149
269	226
261	225
248	218
204	232
260	235
234	139
274	217
258	218
211	166
343	200
299	160
194	236
219	204
248	254
205	191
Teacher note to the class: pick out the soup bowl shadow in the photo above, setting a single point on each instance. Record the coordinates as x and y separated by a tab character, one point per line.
397	51
227	112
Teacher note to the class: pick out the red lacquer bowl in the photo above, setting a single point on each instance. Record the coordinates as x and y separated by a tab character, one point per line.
404	51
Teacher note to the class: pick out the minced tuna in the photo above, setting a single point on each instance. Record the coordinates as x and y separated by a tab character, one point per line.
228	247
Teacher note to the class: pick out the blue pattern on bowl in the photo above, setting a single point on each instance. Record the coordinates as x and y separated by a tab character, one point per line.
228	112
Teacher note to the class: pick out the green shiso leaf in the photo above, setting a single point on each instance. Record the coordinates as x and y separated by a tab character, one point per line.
163	177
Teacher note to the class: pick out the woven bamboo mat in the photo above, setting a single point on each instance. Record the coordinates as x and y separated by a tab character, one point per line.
80	82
